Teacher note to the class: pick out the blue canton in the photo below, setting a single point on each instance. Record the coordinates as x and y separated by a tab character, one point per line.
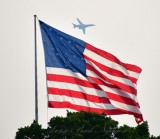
62	50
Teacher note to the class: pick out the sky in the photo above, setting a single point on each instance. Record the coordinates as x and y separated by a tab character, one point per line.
129	29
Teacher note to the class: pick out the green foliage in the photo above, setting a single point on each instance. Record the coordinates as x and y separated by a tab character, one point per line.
139	132
84	125
81	125
34	131
153	137
126	132
143	130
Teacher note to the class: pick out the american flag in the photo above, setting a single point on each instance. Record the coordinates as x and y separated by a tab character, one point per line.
85	78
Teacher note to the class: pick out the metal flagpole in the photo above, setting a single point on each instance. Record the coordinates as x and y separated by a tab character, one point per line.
36	89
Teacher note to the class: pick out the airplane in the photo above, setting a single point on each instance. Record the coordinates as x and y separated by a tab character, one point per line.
82	26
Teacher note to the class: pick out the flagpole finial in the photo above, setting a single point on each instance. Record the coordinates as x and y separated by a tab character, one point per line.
36	17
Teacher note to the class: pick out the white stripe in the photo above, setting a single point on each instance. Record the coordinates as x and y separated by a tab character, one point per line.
119	79
75	87
65	72
92	74
80	102
118	92
110	64
125	107
68	72
133	74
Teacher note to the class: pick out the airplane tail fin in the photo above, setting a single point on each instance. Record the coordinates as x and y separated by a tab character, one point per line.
74	25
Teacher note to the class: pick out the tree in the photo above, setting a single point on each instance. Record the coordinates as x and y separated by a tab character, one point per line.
143	130
34	131
126	132
139	132
84	125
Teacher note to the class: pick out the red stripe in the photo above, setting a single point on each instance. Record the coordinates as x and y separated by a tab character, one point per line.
73	80
111	57
69	79
122	99
54	104
120	85
132	67
110	70
101	82
77	94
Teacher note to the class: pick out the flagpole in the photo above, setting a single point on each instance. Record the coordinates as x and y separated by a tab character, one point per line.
36	89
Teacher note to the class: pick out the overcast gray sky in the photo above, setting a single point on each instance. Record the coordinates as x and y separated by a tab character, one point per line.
129	29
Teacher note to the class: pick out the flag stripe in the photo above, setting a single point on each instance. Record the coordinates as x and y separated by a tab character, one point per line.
116	90
119	92
71	79
109	70
65	72
75	87
127	107
85	103
91	71
55	104
122	99
97	99
109	77
77	94
80	102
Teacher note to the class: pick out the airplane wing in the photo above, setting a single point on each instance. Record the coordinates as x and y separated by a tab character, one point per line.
91	25
84	31
79	21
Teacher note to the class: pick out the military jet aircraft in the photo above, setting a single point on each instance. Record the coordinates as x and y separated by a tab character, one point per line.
82	26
